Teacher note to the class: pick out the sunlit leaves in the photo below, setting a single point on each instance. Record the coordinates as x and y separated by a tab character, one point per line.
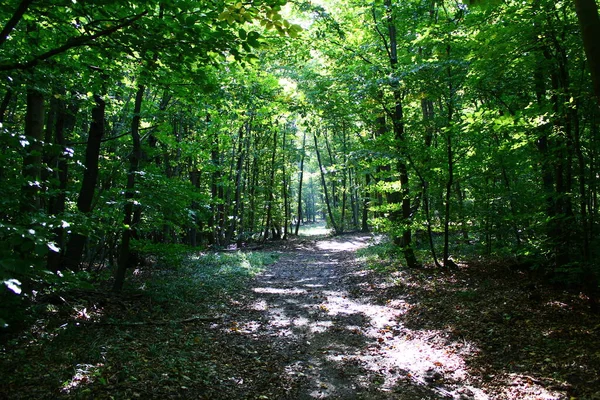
13	285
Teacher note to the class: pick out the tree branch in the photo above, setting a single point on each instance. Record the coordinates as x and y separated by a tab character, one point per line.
385	42
14	20
142	323
71	43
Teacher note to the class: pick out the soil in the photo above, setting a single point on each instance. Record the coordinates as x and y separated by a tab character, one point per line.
320	323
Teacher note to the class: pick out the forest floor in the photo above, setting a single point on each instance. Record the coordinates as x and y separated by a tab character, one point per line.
321	322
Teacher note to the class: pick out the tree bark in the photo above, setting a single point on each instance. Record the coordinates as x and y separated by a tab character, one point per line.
271	196
76	243
134	163
403	196
32	161
56	204
286	207
324	184
589	23
238	181
300	183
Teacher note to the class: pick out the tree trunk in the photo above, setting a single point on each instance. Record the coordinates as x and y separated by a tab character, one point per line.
589	23
344	181
271	196
134	163
76	243
300	183
403	196
4	104
238	181
32	161
56	203
366	204
286	207
324	184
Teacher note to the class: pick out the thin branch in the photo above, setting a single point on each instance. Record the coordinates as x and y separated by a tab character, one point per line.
71	43
14	20
385	42
177	321
356	53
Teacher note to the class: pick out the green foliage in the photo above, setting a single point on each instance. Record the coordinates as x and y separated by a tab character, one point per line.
381	257
169	255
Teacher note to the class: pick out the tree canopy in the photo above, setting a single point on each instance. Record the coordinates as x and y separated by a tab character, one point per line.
132	130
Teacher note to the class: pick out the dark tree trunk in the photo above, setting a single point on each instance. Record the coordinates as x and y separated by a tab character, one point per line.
271	195
286	208
238	182
589	22
324	184
344	180
73	254
56	203
4	104
32	161
131	214
403	196
300	183
366	204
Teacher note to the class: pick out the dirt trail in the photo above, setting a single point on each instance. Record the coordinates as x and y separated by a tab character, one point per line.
320	332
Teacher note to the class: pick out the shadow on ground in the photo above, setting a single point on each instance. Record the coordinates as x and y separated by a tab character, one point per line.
319	324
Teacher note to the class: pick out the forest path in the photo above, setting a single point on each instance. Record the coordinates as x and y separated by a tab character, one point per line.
317	316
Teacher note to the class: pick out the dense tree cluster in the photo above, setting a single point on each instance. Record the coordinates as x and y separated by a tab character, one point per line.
131	127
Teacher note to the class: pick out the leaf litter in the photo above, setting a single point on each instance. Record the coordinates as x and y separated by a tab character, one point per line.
319	323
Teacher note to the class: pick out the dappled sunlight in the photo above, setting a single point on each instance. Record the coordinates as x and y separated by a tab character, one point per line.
85	374
335	246
314	229
279	291
363	341
343	331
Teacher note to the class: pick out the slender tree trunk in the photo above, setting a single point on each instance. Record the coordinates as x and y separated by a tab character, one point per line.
403	196
300	180
583	195
238	181
450	155
324	184
4	104
56	204
77	241
252	195
216	191
286	207
333	180
271	196
32	161
344	180
366	204
129	231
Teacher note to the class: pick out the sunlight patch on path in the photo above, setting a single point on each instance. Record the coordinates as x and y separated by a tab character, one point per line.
347	344
340	246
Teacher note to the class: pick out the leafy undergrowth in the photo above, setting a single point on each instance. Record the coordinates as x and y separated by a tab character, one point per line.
526	338
151	341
